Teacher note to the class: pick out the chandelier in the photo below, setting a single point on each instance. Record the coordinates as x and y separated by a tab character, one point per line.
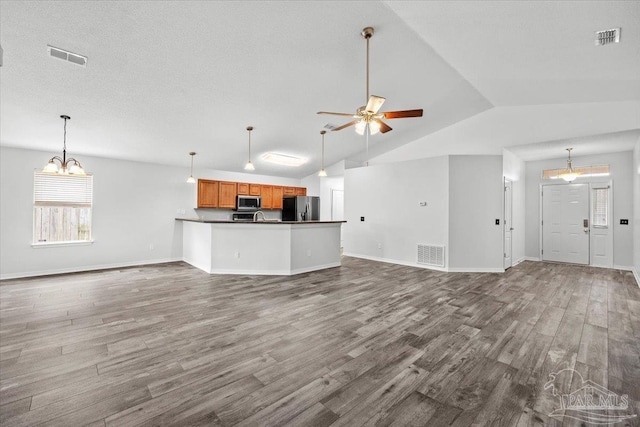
68	166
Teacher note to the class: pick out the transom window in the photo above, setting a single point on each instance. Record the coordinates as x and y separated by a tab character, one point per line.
62	208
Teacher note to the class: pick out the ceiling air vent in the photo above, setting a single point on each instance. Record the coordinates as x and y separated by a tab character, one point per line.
329	126
607	36
56	52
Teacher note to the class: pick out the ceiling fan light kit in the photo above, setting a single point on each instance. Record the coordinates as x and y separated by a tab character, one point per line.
368	118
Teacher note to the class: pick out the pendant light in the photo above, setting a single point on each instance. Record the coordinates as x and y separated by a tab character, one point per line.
249	166
322	171
64	169
191	179
569	174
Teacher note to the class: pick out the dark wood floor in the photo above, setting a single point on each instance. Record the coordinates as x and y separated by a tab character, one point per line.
363	344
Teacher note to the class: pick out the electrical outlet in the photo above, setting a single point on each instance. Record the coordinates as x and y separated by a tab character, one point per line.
151	247
379	245
181	211
308	252
237	254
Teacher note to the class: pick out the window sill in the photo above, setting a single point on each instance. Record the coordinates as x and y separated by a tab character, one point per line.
60	244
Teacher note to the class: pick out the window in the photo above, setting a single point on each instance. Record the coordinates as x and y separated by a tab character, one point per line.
62	208
601	207
584	171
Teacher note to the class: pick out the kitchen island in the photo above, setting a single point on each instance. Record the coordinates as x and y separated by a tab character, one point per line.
260	248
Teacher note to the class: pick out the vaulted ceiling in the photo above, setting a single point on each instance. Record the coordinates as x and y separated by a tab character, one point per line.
165	78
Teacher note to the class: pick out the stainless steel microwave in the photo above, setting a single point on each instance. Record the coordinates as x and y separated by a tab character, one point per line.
248	203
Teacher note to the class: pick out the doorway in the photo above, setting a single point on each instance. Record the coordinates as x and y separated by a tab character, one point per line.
508	226
565	223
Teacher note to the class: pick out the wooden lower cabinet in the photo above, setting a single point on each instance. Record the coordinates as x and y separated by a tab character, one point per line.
228	193
208	193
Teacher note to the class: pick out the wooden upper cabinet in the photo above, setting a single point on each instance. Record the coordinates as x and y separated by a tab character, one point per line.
207	193
266	194
243	188
254	189
276	202
222	194
228	192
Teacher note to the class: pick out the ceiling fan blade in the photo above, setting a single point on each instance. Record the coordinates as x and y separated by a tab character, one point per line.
384	128
374	103
402	114
345	125
336	114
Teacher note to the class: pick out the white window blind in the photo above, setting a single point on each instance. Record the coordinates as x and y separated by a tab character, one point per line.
600	207
62	206
62	190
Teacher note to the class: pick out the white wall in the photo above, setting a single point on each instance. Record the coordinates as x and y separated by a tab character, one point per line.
513	168
134	209
621	165
388	197
475	202
322	186
636	210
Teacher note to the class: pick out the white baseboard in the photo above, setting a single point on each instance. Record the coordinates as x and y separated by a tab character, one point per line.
475	270
86	268
532	258
622	267
272	272
414	264
518	261
395	261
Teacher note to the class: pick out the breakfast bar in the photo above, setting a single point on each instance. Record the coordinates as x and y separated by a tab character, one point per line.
261	248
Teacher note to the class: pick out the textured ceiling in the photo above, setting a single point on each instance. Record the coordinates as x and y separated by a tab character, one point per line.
165	78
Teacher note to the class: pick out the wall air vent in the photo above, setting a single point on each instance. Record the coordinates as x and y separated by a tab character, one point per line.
431	255
607	36
74	58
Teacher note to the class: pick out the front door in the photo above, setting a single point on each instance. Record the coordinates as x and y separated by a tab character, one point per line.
565	223
508	227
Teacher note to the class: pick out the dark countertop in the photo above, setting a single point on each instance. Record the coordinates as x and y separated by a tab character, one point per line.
222	221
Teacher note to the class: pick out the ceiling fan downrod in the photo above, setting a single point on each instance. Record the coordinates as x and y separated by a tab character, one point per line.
367	33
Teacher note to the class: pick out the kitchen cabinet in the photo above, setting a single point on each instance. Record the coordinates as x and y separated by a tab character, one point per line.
227	194
266	194
208	193
276	202
222	194
254	189
243	188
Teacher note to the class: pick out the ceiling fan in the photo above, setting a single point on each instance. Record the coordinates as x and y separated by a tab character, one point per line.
369	117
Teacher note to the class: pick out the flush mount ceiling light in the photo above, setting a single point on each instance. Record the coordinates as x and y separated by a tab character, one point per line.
191	179
283	159
249	166
569	174
368	118
322	171
64	169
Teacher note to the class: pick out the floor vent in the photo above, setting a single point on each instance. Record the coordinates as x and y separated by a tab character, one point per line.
607	36
67	56
431	255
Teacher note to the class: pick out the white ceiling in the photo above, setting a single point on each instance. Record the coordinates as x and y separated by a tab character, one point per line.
165	78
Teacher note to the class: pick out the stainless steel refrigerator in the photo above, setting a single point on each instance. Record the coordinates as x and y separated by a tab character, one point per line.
301	208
